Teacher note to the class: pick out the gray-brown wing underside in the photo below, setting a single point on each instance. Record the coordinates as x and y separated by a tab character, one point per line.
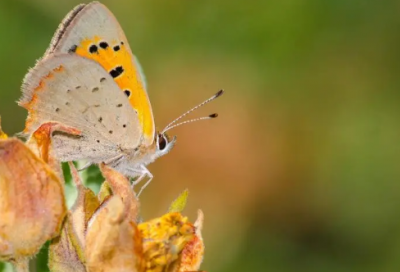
79	93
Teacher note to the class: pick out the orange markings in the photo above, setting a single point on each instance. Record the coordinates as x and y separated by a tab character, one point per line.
39	87
192	255
48	76
42	136
28	122
31	116
59	69
128	80
41	83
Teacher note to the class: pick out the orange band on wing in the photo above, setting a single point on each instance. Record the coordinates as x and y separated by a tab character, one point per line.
29	105
116	59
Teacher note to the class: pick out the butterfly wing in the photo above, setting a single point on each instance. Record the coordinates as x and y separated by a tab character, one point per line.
79	93
93	32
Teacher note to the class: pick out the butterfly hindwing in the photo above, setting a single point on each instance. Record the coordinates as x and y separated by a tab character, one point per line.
92	31
79	93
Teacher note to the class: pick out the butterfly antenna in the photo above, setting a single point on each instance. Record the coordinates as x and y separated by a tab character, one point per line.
170	125
211	116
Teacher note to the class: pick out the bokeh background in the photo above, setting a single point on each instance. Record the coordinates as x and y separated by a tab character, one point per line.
301	171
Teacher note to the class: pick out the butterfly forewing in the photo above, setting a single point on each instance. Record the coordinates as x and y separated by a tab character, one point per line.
79	93
92	31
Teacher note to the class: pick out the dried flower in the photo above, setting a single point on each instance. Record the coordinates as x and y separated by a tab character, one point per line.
32	204
99	233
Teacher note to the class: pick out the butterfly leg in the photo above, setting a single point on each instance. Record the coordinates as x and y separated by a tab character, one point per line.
144	172
84	167
113	162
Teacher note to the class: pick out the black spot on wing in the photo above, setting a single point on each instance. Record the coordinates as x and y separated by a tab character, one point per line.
93	49
117	48
103	45
127	93
117	71
73	49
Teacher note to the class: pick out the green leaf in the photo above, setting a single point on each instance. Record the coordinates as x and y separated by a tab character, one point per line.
180	202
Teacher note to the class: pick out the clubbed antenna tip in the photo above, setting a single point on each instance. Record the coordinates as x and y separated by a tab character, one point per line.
214	115
219	93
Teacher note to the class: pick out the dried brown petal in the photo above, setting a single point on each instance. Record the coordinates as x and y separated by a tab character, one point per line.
66	252
120	186
112	241
84	207
21	265
32	205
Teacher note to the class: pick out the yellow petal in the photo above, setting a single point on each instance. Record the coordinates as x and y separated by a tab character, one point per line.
105	191
32	204
180	202
112	240
164	239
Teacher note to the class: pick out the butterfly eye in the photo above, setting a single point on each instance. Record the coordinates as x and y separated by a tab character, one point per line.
162	142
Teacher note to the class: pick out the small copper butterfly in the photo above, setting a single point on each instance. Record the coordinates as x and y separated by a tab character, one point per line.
89	79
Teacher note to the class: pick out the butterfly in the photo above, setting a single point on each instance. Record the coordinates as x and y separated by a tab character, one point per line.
89	79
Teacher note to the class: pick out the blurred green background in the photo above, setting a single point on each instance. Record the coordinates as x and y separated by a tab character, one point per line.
301	171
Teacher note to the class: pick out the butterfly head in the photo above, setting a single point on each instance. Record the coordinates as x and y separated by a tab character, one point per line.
163	143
